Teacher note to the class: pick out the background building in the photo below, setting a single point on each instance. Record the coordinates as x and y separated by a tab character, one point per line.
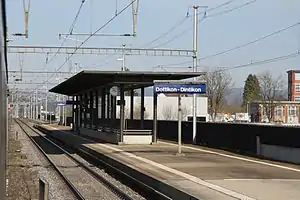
294	85
167	107
286	112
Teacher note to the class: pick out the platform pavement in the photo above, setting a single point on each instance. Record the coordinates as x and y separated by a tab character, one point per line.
208	174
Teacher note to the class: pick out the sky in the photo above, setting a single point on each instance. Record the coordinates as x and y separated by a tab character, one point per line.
222	29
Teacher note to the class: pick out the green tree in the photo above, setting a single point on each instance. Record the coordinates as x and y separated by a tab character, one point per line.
251	89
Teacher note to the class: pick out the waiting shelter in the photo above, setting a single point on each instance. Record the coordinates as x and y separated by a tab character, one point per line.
93	95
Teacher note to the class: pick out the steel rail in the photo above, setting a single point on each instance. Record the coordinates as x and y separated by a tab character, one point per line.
146	189
71	186
108	184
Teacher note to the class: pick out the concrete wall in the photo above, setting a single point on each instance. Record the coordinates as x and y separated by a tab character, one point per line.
114	138
137	139
107	137
280	153
230	136
167	106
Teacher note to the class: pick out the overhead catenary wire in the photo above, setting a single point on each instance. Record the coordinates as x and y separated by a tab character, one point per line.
206	16
103	26
239	46
70	31
175	26
76	17
199	21
95	32
178	35
133	1
219	6
211	9
266	61
166	33
256	63
232	9
251	42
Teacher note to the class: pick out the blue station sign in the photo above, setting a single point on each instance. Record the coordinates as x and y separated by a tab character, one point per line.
60	103
180	88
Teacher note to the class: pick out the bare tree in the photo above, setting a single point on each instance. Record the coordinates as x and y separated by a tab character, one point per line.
184	112
219	85
137	112
272	89
127	113
168	113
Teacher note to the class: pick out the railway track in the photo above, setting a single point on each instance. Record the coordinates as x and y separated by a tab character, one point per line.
73	171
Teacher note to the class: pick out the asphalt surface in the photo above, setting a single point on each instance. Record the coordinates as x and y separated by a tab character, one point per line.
209	174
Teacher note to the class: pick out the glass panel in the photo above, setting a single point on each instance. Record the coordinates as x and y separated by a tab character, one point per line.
297	76
297	87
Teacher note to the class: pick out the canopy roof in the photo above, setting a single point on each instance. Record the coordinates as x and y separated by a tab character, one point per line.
88	80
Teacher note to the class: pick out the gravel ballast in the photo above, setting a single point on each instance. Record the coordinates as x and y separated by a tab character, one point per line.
100	171
38	167
26	165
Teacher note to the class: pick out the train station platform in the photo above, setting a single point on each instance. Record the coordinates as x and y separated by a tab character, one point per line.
98	105
200	173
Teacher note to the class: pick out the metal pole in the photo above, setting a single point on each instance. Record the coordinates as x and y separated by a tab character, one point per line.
123	59
154	139
179	124
46	106
50	113
142	107
122	106
195	48
63	115
63	112
31	107
35	105
59	108
31	115
17	106
12	101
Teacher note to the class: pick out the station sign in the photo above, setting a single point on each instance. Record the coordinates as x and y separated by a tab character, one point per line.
199	88
60	103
